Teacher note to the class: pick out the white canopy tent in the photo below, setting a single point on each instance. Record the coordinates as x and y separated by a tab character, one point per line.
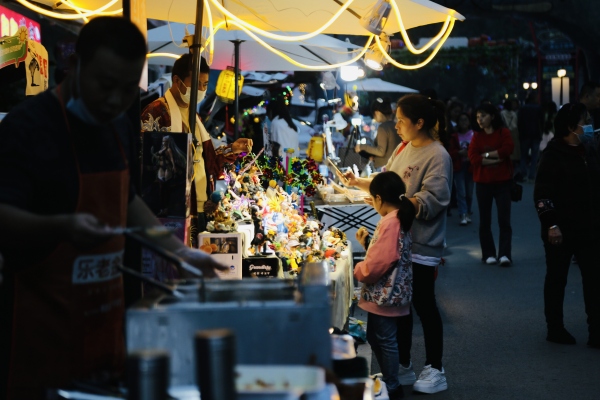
379	85
283	15
319	50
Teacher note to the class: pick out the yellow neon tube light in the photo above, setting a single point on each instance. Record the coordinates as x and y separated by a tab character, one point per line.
406	39
65	16
424	62
280	37
85	10
170	55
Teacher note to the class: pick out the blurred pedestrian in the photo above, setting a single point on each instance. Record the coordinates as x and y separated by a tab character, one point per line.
510	118
530	123
489	153
550	110
463	175
589	96
283	130
566	196
386	138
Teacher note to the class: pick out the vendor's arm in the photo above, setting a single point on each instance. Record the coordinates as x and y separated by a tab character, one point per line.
20	228
381	144
382	253
139	215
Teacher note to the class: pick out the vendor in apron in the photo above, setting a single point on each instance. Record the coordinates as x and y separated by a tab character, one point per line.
170	113
64	188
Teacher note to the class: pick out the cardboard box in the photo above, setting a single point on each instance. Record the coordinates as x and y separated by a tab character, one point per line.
227	249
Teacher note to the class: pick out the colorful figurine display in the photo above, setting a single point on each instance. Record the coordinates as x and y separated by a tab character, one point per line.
259	191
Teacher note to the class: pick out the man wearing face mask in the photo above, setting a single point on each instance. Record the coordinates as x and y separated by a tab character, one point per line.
171	114
65	197
566	196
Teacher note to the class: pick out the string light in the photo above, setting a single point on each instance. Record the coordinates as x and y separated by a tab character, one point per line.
84	10
250	29
406	39
280	37
52	14
289	59
421	64
170	55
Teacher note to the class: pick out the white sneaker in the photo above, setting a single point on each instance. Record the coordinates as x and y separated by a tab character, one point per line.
431	380
505	261
469	218
463	220
406	375
491	260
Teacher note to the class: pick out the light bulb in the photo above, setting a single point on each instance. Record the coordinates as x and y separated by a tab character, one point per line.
534	85
561	73
525	85
349	72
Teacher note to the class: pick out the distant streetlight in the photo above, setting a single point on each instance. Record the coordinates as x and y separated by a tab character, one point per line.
561	74
525	85
534	85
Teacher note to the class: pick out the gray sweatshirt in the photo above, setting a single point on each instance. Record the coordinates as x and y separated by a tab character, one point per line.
427	174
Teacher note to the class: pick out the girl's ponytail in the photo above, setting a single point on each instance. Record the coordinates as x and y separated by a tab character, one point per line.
406	213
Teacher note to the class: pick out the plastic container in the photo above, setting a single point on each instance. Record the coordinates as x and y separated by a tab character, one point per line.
315	148
279	382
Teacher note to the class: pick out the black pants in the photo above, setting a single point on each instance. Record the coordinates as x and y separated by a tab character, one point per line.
558	260
426	308
486	194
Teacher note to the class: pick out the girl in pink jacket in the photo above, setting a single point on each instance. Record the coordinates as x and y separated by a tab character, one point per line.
386	273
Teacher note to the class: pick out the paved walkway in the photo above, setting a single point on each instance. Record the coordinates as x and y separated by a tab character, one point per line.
494	329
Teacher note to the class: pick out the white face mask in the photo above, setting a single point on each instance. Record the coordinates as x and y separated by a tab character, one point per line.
76	105
201	95
188	92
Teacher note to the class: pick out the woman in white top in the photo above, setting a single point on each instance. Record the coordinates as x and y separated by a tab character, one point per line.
284	132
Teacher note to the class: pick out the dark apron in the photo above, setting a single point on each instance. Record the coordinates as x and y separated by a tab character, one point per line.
68	309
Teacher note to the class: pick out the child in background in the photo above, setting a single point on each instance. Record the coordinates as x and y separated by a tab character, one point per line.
386	274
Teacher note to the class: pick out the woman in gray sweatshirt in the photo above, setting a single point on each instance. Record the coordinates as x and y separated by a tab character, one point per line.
426	169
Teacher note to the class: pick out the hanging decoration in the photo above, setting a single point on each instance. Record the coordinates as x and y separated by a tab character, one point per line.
226	85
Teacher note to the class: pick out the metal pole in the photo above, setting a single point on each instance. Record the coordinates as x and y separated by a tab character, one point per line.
195	49
236	105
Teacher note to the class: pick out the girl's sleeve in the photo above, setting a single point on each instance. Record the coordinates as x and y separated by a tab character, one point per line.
382	253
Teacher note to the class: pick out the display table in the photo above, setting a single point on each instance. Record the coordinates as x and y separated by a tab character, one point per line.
342	285
342	288
348	217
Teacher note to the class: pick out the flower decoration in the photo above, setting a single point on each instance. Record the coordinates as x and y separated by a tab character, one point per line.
304	174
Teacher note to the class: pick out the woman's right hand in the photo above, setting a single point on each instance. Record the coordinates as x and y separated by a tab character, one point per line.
349	178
